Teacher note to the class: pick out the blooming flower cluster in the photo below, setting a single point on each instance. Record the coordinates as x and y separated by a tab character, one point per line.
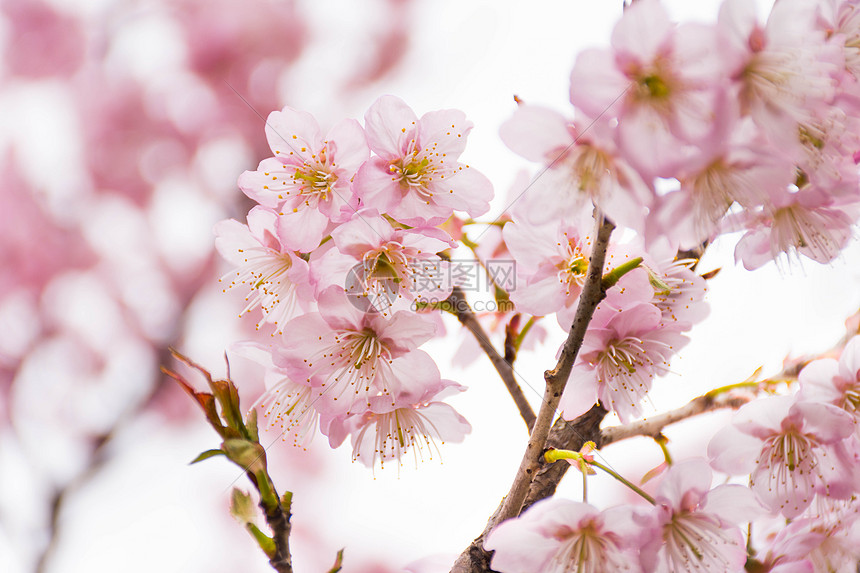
682	133
343	236
754	124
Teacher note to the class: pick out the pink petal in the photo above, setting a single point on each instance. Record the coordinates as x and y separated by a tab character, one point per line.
376	187
348	146
734	503
389	123
596	82
536	133
405	331
293	133
733	452
260	186
580	394
444	133
302	230
643	30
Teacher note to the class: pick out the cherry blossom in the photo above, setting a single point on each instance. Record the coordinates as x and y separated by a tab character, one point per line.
309	178
832	382
415	177
621	354
417	420
276	276
582	165
353	359
696	526
558	536
784	69
806	222
380	263
798	449
660	81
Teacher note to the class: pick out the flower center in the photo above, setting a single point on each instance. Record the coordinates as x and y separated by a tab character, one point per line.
314	183
364	348
411	172
575	265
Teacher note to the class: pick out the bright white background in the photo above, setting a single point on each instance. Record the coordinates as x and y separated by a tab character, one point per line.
149	511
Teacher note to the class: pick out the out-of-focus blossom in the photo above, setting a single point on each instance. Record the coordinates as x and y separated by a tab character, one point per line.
662	82
807	222
582	165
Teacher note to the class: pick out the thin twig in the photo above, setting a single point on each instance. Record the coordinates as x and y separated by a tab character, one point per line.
654	426
467	318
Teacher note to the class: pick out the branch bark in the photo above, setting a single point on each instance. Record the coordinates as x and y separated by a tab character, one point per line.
475	558
506	372
654	426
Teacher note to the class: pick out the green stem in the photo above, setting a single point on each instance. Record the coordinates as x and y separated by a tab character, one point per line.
556	455
613	276
266	543
620	478
661	441
723	389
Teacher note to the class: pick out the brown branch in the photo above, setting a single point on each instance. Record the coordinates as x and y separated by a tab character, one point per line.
654	426
475	558
564	435
467	318
278	519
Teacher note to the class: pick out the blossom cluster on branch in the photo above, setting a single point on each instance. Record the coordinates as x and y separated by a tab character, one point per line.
682	133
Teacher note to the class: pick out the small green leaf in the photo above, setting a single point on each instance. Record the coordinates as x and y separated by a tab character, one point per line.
287	501
267	544
251	426
249	455
242	507
206	455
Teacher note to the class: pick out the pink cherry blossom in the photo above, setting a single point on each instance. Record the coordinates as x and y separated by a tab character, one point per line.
741	169
309	178
276	276
807	222
381	263
837	383
353	359
784	70
623	350
559	536
418	420
416	178
802	451
678	291
286	404
696	525
662	82
840	21
582	165
552	262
